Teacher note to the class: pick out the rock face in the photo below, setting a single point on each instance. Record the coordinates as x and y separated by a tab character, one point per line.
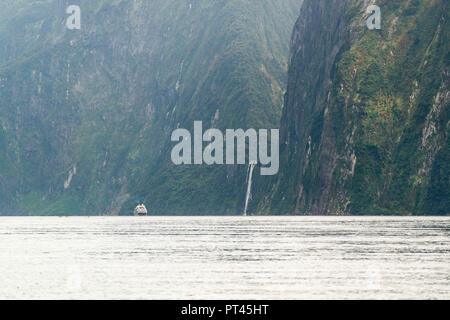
86	115
365	128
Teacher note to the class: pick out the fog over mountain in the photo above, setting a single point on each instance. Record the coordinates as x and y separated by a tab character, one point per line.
86	116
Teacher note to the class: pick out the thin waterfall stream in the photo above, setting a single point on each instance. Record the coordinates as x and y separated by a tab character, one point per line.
251	167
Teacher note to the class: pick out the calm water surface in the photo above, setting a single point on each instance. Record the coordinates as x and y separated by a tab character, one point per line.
224	258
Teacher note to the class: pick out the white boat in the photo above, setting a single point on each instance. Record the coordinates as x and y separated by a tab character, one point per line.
140	210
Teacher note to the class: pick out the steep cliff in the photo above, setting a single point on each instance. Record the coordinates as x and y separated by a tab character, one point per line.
86	115
365	128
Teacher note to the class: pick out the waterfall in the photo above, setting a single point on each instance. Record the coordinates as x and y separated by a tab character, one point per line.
251	166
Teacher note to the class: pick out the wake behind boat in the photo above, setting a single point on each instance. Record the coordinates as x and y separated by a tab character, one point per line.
140	210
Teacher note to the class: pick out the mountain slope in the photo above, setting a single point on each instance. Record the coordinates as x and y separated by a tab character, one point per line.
365	129
86	115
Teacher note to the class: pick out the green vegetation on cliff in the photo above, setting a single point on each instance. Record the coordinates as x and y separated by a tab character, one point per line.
86	115
367	132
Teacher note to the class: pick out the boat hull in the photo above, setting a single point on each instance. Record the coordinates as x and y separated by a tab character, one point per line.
140	214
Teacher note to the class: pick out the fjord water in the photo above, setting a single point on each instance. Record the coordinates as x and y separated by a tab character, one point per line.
224	258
